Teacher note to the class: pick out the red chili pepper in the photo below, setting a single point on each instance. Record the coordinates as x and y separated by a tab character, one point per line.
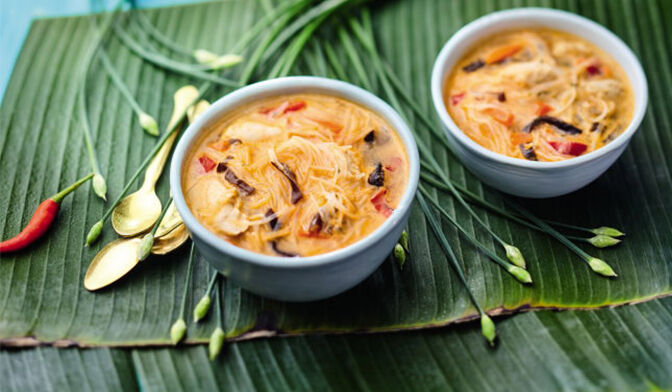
378	201
295	106
394	164
569	148
207	163
455	99
41	221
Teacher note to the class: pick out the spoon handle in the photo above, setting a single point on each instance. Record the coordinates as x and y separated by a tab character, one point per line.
181	100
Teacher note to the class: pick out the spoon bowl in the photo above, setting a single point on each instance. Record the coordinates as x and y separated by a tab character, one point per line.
136	213
114	261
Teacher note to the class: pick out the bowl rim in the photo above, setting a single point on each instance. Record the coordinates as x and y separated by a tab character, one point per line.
440	71
289	85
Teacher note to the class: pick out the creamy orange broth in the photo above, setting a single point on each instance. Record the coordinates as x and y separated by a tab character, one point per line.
348	166
539	95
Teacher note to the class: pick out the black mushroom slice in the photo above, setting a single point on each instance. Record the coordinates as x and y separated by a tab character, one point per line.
244	188
556	122
273	223
501	97
528	152
281	252
473	66
370	137
291	177
377	176
316	224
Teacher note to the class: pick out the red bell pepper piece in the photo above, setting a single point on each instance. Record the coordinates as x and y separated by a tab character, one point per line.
207	163
569	148
455	99
380	204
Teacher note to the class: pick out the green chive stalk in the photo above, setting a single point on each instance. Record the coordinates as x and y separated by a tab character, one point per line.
597	265
487	326
284	66
203	56
145	247
325	7
179	328
367	41
169	64
598	241
146	121
521	274
203	305
96	229
99	184
256	57
218	336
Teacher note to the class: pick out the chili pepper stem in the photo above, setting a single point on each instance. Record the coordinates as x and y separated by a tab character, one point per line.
60	195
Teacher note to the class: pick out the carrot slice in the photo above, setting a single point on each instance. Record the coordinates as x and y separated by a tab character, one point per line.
502	53
543	109
501	116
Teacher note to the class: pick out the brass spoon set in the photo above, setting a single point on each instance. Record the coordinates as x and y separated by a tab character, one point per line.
139	211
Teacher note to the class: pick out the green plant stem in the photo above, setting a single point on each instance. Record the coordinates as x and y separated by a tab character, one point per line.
256	57
152	128
187	280
162	140
512	269
171	65
357	64
332	58
262	24
298	44
64	192
602	268
145	247
445	245
99	184
143	21
305	18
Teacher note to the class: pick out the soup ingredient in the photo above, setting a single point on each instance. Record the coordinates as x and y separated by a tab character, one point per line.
244	188
569	148
41	221
551	85
291	177
207	163
274	245
377	176
559	124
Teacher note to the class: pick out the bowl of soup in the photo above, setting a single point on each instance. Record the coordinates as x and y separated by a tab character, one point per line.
538	102
296	188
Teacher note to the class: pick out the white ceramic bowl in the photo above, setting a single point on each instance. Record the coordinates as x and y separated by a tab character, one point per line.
298	278
529	178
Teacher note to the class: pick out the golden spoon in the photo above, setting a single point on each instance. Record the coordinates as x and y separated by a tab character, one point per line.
114	261
171	232
139	211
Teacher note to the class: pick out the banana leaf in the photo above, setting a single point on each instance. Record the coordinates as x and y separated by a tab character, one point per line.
42	299
623	349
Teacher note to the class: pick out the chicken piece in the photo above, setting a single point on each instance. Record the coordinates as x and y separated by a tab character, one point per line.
230	220
210	193
250	131
529	73
563	49
603	88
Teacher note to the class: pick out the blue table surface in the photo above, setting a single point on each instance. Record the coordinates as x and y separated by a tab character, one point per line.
17	15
